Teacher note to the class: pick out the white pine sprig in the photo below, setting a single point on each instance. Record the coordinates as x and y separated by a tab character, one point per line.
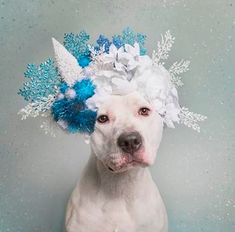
34	109
163	48
190	119
176	69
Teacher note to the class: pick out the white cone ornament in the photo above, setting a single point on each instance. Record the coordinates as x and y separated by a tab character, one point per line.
67	64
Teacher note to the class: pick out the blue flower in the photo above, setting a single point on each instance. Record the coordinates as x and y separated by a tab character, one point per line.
84	61
73	112
63	87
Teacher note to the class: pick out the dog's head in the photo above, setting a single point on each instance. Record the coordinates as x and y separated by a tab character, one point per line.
125	129
127	133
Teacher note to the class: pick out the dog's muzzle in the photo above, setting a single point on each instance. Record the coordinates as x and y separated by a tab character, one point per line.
129	142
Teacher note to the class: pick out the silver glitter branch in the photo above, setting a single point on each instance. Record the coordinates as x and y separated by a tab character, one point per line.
163	48
190	119
34	109
176	69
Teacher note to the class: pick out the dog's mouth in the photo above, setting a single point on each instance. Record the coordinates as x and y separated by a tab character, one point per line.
120	162
111	169
125	166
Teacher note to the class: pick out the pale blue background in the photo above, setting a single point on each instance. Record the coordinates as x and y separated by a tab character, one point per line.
195	172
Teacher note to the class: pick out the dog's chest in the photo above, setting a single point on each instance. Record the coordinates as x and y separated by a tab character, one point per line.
120	216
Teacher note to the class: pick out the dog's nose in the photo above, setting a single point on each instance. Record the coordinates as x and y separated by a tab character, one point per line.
129	142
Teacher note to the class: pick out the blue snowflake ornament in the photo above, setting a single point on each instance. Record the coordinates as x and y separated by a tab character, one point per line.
130	37
118	41
43	80
77	45
103	41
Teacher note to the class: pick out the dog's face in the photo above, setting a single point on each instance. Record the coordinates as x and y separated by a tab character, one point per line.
127	132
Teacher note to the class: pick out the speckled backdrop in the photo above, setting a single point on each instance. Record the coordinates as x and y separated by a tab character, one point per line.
195	172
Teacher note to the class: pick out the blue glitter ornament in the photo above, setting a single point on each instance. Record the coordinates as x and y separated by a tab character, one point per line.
103	41
130	37
43	80
77	45
118	41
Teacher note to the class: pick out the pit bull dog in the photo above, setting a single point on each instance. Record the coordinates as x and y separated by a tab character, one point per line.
116	191
121	97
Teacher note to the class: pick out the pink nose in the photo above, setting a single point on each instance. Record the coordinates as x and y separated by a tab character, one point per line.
130	142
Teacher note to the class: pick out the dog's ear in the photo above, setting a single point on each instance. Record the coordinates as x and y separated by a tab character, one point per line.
67	64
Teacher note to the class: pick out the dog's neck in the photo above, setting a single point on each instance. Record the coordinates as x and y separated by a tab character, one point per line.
127	184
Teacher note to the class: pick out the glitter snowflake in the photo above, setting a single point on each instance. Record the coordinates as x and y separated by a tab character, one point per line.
103	43
130	37
43	80
77	45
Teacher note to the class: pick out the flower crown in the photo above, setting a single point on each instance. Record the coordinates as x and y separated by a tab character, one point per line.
71	89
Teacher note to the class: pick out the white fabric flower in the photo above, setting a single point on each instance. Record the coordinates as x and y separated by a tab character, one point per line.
125	71
123	59
123	87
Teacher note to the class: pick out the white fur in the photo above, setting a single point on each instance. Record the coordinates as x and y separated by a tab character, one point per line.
125	199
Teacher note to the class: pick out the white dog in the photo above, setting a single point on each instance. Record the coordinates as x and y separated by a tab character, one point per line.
116	191
134	95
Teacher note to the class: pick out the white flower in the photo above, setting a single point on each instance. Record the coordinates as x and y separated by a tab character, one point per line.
102	92
123	59
123	87
134	51
112	57
97	99
124	70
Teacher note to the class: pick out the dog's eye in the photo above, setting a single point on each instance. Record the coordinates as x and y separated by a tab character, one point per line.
103	118
144	111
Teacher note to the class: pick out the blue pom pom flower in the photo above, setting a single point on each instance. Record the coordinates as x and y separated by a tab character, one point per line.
70	110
